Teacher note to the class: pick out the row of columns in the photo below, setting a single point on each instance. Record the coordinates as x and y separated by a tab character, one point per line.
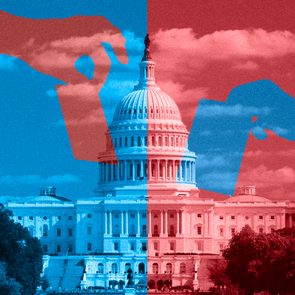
124	222
164	223
157	169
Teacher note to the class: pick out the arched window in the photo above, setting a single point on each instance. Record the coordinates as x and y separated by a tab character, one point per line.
141	268
155	268
100	268
169	267
127	266
182	268
114	268
138	141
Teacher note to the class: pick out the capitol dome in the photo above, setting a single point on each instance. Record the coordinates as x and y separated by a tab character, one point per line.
149	138
147	103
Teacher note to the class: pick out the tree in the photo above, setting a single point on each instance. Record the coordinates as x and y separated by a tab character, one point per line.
262	262
21	253
8	286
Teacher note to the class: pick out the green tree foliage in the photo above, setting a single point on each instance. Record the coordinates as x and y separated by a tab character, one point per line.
262	262
8	286
21	253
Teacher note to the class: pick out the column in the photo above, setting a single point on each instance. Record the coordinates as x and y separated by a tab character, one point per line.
185	171
150	223
166	170
162	223
110	220
127	223
138	223
107	171
133	170
112	171
158	170
122	223
205	224
141	169
180	170
210	223
106	223
181	221
166	222
125	169
177	222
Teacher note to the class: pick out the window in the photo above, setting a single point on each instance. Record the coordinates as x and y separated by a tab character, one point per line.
31	218
260	217
246	217
100	268
70	218
132	246
144	230
260	230
89	216
114	268
89	230
70	232
143	246
233	217
171	215
221	217
233	231
132	215
156	246
199	215
45	230
155	268
182	268
70	248
141	268
19	218
143	215
45	248
272	230
58	217
45	217
116	246
221	232
57	248
172	246
169	267
58	232
89	246
199	230
272	217
127	266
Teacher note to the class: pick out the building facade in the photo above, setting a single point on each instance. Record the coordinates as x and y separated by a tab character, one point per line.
147	217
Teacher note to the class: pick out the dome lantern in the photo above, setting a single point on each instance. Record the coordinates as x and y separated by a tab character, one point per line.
146	68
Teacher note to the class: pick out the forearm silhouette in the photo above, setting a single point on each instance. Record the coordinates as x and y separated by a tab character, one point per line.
52	46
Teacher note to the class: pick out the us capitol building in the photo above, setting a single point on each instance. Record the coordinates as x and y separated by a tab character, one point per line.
147	224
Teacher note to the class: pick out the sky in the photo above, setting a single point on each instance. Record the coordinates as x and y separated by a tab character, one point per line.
208	55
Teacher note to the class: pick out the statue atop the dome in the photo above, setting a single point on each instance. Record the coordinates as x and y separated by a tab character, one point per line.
146	55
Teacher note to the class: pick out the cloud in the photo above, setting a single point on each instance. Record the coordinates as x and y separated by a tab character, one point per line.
248	66
226	44
62	54
207	161
38	179
265	177
237	110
